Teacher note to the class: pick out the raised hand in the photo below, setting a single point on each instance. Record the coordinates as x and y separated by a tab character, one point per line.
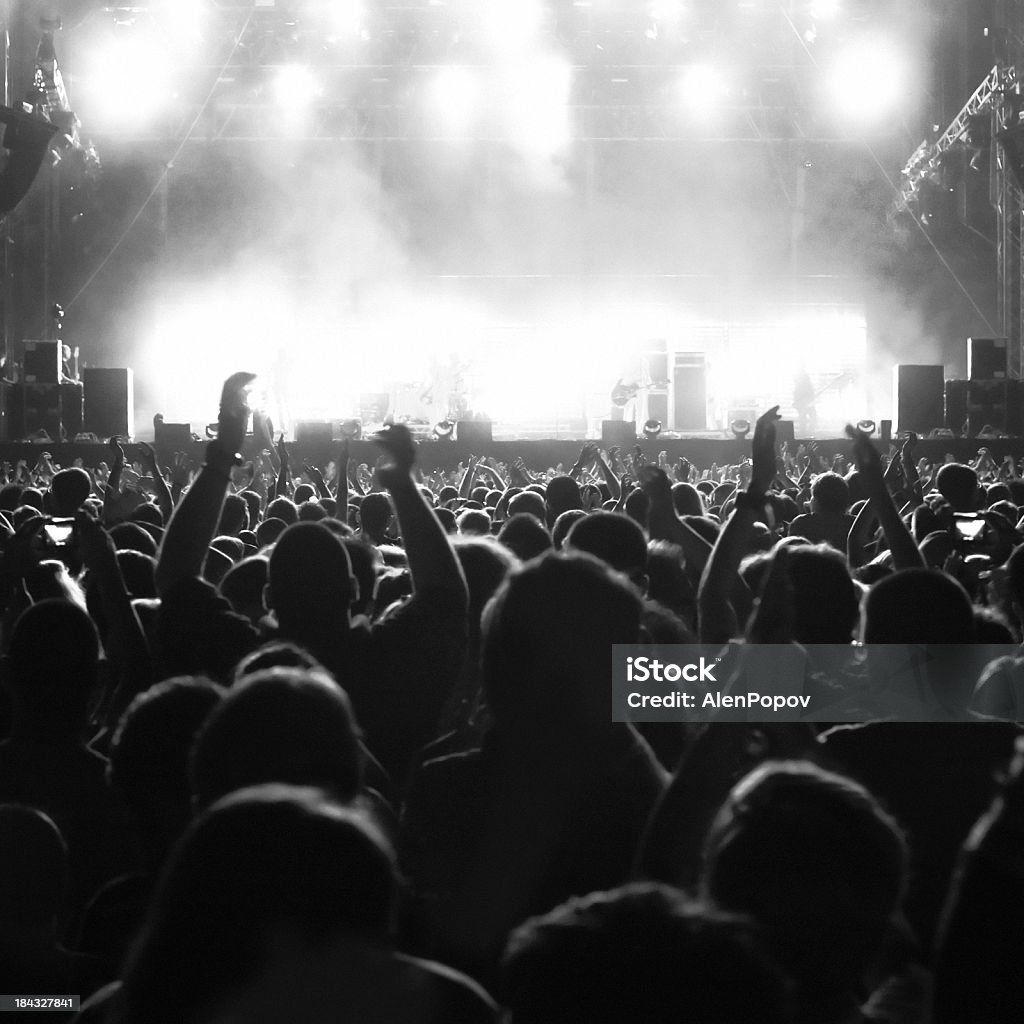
763	452
233	416
117	453
865	455
148	455
399	454
282	453
655	483
181	470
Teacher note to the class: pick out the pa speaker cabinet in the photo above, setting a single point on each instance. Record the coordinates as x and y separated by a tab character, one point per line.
314	432
956	406
918	400
617	432
172	437
41	362
657	406
987	359
689	392
109	401
475	433
993	403
40	408
72	408
785	430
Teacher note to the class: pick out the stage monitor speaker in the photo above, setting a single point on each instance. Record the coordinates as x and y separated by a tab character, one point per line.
885	429
314	432
617	432
657	407
956	406
40	410
41	362
109	401
987	359
996	404
72	408
172	437
475	433
917	397
689	392
785	430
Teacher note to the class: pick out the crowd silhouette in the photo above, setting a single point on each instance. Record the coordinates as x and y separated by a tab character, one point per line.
334	743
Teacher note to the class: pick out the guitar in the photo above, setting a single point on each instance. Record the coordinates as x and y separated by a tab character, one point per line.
623	393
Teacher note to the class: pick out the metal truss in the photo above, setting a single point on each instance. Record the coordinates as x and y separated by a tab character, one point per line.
924	163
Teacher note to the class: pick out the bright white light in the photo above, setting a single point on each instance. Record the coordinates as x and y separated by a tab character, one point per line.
126	80
184	20
454	96
346	16
868	81
294	86
667	12
702	88
537	107
512	25
825	10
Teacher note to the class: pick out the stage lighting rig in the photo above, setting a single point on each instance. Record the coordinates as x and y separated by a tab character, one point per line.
651	429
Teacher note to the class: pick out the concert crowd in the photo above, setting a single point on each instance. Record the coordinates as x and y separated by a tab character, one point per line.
325	743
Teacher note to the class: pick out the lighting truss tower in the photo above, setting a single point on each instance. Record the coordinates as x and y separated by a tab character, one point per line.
998	98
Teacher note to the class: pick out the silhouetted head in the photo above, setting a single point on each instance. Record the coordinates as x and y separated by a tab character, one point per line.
546	637
525	536
958	484
616	540
69	489
640	953
52	665
310	577
266	868
279	725
812	858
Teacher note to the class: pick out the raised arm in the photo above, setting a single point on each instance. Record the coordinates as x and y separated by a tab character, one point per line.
194	523
433	565
905	553
718	615
126	645
163	494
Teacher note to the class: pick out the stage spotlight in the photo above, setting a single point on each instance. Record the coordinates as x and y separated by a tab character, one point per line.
346	16
454	98
293	86
444	431
537	98
702	89
868	81
740	429
126	81
867	427
824	10
351	430
652	428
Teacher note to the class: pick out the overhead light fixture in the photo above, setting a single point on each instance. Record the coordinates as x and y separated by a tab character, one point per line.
740	429
652	428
